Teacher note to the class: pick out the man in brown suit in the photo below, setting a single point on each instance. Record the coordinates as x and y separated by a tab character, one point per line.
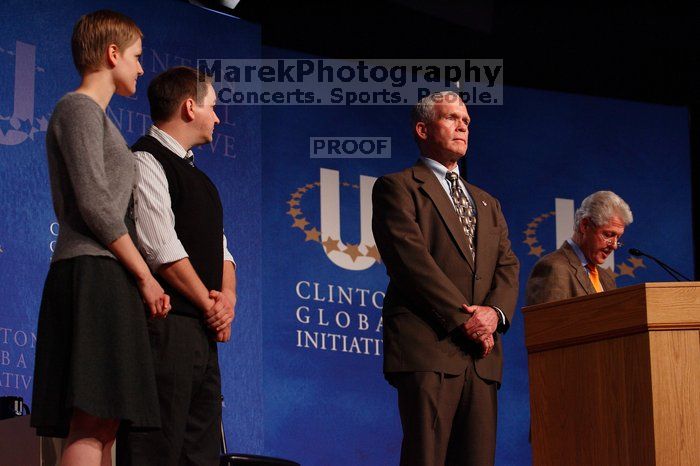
452	291
573	269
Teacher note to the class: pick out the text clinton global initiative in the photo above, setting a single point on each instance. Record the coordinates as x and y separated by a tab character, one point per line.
342	318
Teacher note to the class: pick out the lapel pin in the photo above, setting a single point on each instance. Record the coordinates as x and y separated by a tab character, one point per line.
484	202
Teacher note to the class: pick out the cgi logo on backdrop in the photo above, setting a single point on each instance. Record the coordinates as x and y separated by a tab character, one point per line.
337	317
350	256
18	122
563	214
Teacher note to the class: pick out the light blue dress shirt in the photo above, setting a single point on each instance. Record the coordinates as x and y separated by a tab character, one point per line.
580	255
440	172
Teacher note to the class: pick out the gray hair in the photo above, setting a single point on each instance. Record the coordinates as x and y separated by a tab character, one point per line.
424	111
600	207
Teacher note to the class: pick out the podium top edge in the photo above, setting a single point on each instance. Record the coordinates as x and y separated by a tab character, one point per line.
623	290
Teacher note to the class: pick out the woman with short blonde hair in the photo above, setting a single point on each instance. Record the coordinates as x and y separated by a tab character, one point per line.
93	369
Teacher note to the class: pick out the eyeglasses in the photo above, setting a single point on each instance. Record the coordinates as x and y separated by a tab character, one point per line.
613	242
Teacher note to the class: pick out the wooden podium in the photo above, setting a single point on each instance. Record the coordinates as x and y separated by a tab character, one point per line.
615	377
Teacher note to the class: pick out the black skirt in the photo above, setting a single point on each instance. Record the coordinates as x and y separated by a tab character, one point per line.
92	350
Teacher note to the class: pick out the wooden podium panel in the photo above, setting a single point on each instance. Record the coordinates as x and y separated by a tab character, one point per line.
615	377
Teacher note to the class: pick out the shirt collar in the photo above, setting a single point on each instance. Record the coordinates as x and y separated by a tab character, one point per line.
578	252
169	142
436	167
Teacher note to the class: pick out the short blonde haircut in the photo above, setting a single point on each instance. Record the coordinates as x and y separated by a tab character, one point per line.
94	32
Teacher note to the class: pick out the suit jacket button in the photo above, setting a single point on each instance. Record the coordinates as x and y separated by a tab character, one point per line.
477	277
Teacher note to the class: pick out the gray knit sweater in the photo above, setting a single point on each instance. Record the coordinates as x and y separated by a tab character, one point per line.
92	173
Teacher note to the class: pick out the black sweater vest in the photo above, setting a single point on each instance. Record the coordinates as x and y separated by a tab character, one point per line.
198	220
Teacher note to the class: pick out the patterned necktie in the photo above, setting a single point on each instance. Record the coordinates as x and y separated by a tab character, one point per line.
464	209
190	159
595	278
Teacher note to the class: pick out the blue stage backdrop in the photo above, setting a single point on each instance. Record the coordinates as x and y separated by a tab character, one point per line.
302	375
36	69
326	401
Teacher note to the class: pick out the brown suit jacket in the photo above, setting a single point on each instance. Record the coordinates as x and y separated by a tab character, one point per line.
432	273
560	275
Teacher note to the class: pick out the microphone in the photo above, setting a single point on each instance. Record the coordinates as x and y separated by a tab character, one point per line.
671	271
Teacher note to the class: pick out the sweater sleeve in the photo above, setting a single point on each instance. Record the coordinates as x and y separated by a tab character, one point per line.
80	133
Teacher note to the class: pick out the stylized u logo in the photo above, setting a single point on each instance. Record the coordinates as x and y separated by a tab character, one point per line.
348	256
25	65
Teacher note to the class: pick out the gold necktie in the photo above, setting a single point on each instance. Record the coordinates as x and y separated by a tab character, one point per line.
595	279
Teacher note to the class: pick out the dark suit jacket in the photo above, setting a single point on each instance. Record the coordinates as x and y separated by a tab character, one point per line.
560	275
432	273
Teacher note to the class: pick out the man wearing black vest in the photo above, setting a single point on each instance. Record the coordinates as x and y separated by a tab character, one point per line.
179	221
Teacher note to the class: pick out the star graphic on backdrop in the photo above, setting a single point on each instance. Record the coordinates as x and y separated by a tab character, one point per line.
529	231
543	216
373	252
530	240
300	223
533	224
535	251
43	123
331	245
313	235
637	262
626	269
353	251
